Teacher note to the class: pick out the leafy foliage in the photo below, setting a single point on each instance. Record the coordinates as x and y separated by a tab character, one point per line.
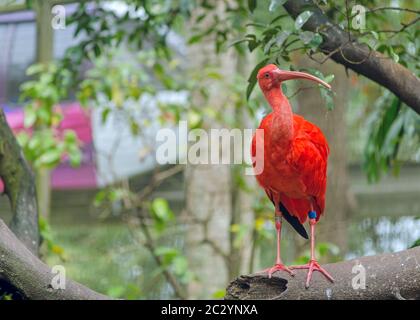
262	28
48	238
42	143
389	124
415	244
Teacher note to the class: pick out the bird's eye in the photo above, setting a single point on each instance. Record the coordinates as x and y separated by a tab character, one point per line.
267	75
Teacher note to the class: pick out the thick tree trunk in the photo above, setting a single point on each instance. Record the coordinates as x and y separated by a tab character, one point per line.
32	278
333	225
387	276
208	197
19	187
211	191
44	54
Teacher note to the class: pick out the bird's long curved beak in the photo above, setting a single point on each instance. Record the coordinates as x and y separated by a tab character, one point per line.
283	75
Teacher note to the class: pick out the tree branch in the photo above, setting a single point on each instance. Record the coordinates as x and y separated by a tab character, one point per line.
179	291
394	8
19	187
388	276
372	64
31	276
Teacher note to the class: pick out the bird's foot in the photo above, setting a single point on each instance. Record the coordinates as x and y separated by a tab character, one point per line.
312	266
277	267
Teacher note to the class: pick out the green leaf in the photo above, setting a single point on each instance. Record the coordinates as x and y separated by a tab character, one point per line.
316	41
386	130
374	34
75	158
252	80
252	4
252	44
35	69
219	294
50	157
22	138
415	244
284	88
195	38
274	4
282	37
327	95
116	292
394	56
161	209
278	18
70	136
30	116
306	36
104	115
100	198
234	43
194	119
302	18
214	75
268	46
97	50
167	253
329	78
180	265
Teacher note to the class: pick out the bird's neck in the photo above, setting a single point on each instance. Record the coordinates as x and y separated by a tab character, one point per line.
282	126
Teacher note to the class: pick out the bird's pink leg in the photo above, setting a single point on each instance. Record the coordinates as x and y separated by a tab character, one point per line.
278	266
313	265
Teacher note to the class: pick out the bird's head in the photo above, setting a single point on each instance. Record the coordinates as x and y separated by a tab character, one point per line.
271	76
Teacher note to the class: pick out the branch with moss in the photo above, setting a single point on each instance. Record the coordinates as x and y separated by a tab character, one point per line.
33	278
382	277
19	187
360	58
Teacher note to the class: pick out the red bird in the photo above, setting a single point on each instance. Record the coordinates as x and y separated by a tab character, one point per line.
294	174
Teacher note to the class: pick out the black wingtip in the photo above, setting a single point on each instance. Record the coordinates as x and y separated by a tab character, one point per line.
294	222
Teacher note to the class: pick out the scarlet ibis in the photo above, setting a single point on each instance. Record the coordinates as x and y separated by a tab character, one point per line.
294	174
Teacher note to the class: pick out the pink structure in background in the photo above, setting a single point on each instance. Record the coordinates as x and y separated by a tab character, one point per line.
65	176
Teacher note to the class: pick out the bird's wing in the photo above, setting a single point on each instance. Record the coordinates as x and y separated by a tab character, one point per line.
294	220
308	157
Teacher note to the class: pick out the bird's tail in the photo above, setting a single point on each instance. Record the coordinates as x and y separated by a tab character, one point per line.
294	221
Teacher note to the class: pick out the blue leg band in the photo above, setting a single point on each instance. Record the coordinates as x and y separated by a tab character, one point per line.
312	215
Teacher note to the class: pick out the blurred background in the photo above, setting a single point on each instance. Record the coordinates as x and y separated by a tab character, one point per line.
86	86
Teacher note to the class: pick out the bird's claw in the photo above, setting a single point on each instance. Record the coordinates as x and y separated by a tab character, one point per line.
277	267
312	266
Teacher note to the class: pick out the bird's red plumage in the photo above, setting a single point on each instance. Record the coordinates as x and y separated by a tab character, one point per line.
290	163
295	159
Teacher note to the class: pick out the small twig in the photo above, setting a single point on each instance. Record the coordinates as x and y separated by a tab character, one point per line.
253	250
404	27
157	179
348	20
394	8
150	245
217	249
326	57
300	90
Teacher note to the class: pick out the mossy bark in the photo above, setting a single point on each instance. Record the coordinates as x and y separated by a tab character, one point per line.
19	187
